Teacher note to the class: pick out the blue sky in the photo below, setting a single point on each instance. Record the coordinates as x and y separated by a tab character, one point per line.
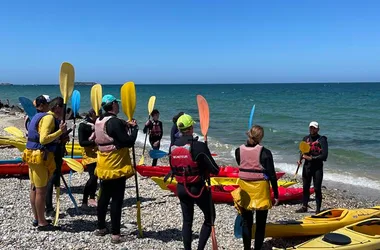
200	41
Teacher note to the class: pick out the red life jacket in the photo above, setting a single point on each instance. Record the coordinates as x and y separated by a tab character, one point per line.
156	129
250	168
184	169
315	147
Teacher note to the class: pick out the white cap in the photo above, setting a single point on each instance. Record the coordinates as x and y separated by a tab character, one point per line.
314	124
47	98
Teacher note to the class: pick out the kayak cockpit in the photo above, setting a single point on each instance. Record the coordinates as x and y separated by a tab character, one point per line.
369	227
331	214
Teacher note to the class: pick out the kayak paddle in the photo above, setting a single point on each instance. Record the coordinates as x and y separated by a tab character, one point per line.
204	120
15	131
75	102
250	122
304	147
128	102
238	227
151	103
28	106
96	97
66	86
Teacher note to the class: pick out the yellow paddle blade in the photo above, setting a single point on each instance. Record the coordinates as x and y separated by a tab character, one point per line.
224	181
96	97
141	162
66	81
151	102
204	114
304	147
74	165
15	131
285	184
128	99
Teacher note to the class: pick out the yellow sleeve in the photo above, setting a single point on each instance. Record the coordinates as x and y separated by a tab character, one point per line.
46	127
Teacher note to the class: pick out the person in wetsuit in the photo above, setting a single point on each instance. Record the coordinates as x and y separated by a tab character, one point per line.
155	131
174	133
256	170
313	167
113	137
191	163
85	131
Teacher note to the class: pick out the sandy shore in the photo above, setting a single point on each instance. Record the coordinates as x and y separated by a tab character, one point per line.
161	216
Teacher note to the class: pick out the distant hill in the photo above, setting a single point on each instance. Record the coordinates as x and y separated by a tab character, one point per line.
6	84
84	83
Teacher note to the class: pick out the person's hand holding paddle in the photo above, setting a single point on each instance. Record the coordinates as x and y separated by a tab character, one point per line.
307	157
63	126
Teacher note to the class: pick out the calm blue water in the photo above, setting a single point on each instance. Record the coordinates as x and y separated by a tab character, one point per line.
348	114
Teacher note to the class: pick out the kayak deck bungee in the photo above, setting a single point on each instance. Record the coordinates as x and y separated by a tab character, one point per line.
160	171
360	235
319	224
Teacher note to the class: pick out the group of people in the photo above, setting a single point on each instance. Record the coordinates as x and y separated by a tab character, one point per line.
106	140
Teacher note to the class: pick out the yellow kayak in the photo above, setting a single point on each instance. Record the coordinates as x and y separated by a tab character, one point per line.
20	144
215	181
360	235
319	224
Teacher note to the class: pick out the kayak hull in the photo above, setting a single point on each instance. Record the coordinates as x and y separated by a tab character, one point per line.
319	224
360	235
222	194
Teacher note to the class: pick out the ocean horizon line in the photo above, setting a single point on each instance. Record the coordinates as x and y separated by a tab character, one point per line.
233	83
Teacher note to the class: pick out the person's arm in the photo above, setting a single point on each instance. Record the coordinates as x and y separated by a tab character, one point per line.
324	154
237	155
148	125
204	157
117	129
266	160
83	136
45	127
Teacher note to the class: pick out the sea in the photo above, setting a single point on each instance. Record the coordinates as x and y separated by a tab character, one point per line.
348	115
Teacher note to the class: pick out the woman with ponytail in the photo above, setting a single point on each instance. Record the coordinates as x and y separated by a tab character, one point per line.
256	171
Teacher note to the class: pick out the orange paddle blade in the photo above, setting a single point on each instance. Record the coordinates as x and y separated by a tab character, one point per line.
204	114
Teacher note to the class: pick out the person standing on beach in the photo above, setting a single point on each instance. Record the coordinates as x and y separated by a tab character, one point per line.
56	103
155	131
85	130
174	133
191	163
313	166
256	170
44	132
114	165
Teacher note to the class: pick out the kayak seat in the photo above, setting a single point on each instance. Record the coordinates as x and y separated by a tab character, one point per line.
370	227
337	239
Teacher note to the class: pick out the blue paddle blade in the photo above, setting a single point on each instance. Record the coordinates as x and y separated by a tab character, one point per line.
75	102
156	154
28	106
238	227
250	123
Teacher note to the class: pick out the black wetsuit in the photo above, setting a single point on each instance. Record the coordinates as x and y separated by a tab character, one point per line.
313	170
154	137
201	154
266	160
115	188
84	133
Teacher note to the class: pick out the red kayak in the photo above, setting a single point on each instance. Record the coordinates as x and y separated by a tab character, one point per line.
160	171
17	167
222	194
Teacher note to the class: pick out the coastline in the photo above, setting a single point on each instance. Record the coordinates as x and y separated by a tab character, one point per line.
161	214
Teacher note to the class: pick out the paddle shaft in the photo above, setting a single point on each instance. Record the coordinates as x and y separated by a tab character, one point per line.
137	194
72	144
70	194
146	136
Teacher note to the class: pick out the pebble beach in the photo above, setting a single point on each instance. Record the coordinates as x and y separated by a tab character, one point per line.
160	213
